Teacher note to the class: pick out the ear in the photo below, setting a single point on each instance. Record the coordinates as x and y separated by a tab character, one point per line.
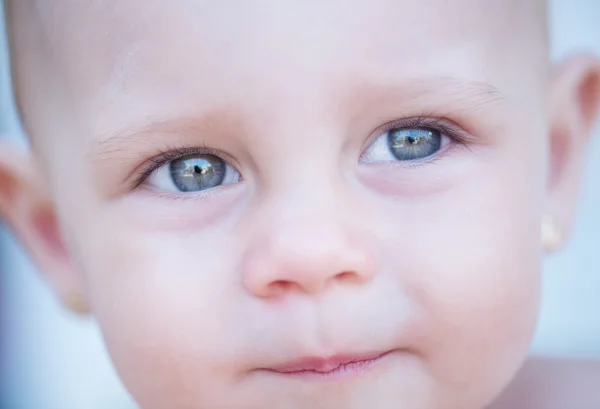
26	207
575	100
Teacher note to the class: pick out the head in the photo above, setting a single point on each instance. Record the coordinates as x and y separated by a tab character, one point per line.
249	195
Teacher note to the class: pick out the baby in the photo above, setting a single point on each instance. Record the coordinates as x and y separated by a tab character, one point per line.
298	204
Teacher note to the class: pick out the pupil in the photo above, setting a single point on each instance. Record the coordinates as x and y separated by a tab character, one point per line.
199	172
414	143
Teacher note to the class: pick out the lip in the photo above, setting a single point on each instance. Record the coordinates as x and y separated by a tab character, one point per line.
330	367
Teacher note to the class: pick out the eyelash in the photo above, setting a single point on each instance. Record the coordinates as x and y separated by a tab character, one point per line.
170	154
444	126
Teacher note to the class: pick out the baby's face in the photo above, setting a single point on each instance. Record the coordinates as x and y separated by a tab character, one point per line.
258	193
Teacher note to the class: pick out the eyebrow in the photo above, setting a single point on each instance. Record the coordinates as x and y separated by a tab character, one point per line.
110	144
452	94
463	94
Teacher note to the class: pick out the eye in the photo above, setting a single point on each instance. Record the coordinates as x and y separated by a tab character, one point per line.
193	173
405	144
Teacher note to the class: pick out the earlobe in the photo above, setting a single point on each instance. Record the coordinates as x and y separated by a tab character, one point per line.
551	235
575	101
26	208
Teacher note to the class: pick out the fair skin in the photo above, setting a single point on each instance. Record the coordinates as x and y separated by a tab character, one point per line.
553	383
319	245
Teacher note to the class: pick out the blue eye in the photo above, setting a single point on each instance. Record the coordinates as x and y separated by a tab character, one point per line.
197	173
414	143
193	173
404	145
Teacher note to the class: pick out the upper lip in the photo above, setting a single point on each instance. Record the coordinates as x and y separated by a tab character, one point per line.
325	364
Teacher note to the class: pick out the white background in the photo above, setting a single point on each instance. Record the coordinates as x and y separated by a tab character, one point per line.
56	361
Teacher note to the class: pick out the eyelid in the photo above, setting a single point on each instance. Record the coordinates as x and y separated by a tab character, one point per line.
445	126
167	155
190	196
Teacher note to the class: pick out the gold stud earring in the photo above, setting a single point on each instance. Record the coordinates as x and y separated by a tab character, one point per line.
76	303
552	238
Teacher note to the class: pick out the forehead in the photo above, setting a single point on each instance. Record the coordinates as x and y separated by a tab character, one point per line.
229	50
71	27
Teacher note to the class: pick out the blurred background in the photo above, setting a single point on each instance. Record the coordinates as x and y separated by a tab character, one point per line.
52	360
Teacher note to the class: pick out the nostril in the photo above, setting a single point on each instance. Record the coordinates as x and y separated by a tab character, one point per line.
346	276
281	286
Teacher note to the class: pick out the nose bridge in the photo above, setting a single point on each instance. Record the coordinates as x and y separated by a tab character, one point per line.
307	198
304	241
311	201
306	184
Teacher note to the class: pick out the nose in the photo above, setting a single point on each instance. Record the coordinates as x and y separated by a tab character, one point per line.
307	256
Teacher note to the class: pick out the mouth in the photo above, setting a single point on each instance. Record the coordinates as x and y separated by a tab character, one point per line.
330	368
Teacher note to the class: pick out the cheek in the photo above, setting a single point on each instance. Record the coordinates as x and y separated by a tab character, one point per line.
162	303
470	260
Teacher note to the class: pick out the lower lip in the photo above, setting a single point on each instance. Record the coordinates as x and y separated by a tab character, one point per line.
343	371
